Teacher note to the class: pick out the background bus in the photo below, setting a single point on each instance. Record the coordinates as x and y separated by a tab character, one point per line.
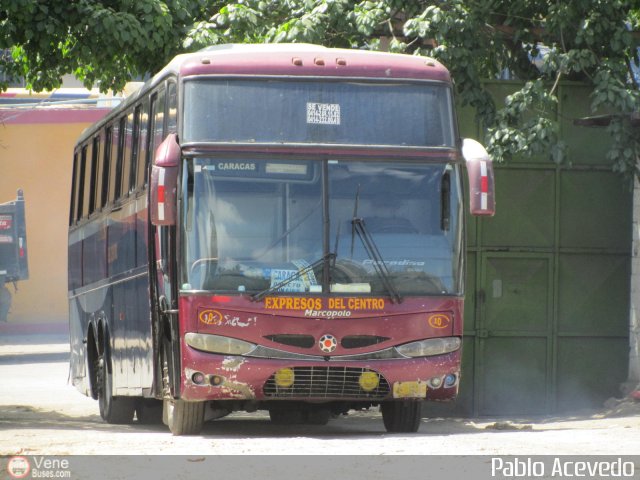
273	227
14	264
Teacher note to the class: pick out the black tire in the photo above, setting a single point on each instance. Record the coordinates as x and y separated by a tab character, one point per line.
115	410
401	416
149	411
183	418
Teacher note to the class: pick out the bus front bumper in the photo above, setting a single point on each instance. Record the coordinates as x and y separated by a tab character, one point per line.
207	376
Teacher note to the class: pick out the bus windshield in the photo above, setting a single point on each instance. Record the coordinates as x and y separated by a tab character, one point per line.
321	226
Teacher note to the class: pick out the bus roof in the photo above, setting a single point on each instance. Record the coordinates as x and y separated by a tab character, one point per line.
305	60
287	59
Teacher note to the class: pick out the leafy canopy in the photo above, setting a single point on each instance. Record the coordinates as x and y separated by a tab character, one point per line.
111	41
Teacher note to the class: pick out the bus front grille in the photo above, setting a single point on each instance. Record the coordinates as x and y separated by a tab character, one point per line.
328	382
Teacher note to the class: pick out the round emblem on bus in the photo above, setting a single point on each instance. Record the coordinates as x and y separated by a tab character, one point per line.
439	320
210	317
328	343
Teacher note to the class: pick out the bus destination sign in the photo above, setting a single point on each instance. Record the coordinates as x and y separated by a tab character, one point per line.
338	307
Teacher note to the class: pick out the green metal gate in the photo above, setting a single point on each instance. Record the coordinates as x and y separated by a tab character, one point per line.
548	279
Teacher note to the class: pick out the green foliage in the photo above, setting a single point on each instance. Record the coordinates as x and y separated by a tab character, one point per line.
104	43
110	41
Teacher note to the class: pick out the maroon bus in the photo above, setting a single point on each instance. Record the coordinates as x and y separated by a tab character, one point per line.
273	227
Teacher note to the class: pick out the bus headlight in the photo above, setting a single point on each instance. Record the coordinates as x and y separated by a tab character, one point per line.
430	347
218	344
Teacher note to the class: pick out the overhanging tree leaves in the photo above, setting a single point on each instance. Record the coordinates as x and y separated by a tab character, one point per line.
594	41
105	42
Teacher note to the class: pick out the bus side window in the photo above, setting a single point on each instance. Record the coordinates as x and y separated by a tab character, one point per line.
115	165
130	152
96	164
106	167
143	159
122	170
157	126
86	182
74	190
81	183
172	117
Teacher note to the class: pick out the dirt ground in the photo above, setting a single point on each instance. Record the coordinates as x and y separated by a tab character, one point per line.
41	414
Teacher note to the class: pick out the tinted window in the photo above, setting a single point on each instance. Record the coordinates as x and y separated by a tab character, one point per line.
354	113
130	152
106	168
157	126
143	159
74	190
115	167
172	114
86	182
95	169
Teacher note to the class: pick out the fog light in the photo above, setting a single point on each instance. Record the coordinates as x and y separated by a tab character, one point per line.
369	381
285	377
215	380
198	378
435	382
450	380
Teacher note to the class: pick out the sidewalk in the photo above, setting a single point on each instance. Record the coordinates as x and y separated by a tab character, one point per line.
16	328
32	339
33	348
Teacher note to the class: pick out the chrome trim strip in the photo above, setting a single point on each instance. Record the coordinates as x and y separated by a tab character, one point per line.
266	352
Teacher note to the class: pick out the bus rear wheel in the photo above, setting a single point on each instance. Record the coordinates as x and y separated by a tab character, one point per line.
401	416
182	417
116	410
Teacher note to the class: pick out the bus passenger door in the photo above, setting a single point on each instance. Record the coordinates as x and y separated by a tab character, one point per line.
165	298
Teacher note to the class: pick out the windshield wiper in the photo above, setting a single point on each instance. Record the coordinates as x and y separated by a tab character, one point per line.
260	295
375	256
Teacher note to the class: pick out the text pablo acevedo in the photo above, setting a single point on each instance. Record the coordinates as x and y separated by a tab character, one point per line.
561	467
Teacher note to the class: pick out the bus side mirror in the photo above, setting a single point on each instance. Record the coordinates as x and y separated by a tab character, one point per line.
481	182
164	182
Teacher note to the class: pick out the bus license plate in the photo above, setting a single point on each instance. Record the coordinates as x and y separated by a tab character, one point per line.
410	389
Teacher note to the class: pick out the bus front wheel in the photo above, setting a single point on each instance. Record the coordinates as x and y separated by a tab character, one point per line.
183	418
117	410
401	416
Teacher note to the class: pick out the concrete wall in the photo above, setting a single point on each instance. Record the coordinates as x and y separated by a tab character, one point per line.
36	148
